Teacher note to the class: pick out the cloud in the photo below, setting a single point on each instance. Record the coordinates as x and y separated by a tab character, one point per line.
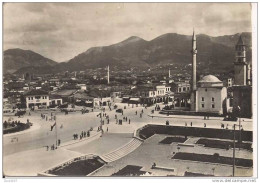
60	31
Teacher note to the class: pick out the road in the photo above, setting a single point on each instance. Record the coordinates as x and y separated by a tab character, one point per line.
75	122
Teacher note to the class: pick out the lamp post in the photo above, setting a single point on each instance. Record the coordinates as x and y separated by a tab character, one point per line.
56	132
234	149
239	115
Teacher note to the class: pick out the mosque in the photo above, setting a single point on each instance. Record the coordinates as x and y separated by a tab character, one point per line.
208	94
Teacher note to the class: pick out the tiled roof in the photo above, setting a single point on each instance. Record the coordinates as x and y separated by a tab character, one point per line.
36	92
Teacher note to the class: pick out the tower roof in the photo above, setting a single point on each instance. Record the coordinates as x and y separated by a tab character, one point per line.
240	41
194	35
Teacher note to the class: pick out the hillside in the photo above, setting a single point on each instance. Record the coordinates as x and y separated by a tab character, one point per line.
15	59
215	54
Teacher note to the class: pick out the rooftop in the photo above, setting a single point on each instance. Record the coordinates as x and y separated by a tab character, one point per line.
36	92
209	79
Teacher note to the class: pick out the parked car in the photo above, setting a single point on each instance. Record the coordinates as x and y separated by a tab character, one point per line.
20	113
119	110
230	118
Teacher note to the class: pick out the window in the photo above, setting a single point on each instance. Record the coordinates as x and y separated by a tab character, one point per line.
202	105
202	99
212	99
184	89
188	88
37	97
179	89
213	105
31	98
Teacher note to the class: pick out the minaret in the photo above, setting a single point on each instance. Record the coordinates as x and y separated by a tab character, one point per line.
108	74
194	54
240	65
169	73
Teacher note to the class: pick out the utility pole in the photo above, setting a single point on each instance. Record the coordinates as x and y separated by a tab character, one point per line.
56	130
239	115
234	153
234	149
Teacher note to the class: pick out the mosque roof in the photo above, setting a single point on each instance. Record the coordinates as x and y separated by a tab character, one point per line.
209	79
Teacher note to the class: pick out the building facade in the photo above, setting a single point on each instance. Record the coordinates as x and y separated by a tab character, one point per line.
37	99
211	95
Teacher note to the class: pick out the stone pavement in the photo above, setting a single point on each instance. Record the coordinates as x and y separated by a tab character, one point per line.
39	159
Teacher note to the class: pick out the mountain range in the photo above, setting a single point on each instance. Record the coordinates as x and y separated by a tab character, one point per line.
214	53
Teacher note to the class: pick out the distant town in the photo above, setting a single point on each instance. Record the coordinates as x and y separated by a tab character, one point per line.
114	121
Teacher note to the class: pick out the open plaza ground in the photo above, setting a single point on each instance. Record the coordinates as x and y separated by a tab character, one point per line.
30	148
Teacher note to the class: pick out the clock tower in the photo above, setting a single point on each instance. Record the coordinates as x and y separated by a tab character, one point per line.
240	64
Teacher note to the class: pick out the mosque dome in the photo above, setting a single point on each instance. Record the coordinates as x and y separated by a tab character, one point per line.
209	79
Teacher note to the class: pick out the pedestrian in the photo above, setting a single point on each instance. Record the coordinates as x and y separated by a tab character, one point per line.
227	126
204	125
190	123
129	121
142	111
204	117
47	148
125	118
58	142
135	112
107	129
29	114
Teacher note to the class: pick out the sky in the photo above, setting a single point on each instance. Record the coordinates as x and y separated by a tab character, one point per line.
61	31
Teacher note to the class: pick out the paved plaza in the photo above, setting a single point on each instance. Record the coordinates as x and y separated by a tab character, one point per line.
31	146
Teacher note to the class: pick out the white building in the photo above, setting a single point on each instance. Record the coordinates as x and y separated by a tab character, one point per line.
210	95
37	99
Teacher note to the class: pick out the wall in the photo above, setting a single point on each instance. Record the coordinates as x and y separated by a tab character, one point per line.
219	95
240	74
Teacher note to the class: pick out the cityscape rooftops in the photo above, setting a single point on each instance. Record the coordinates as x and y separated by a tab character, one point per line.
36	92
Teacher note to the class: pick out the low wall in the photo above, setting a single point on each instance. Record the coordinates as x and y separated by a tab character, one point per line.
149	130
191	113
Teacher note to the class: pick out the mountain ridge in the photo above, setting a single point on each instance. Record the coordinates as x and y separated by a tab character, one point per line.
168	48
